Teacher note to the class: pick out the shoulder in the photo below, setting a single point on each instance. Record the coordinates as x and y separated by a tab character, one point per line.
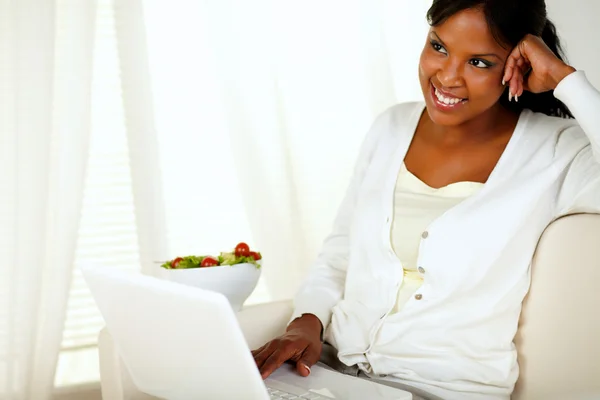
393	121
563	135
391	127
400	114
542	122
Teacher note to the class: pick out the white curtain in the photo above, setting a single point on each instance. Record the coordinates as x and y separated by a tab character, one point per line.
258	110
45	80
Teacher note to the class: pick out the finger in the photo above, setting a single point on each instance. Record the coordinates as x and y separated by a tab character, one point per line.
522	78
264	354
508	68
275	360
521	88
514	85
523	49
518	86
257	351
512	63
517	81
507	74
308	359
510	72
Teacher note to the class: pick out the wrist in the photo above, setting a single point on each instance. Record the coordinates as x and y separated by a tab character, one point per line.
307	322
561	73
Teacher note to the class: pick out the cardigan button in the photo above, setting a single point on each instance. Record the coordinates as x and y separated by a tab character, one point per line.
425	235
422	270
418	296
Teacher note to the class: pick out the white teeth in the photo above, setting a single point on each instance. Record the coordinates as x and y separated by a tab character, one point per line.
446	100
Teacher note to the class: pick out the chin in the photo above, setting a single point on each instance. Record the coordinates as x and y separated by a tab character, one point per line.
444	118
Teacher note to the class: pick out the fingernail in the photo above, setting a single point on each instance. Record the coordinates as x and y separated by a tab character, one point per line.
306	367
509	96
516	98
503	82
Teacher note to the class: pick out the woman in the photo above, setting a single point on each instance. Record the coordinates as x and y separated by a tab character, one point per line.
422	279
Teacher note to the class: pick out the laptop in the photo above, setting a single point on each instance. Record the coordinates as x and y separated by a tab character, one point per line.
183	343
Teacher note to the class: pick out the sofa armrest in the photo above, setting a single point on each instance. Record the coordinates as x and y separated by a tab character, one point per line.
259	324
558	340
110	368
115	381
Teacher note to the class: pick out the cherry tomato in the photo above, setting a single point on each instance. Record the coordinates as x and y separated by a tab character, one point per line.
255	255
176	262
209	262
242	250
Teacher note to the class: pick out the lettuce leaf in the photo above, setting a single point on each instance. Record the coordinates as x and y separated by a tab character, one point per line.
225	258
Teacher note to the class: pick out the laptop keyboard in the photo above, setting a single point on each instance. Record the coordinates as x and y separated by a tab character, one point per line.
276	394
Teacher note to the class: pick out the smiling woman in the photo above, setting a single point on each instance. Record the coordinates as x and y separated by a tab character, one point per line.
422	279
462	76
463	83
492	39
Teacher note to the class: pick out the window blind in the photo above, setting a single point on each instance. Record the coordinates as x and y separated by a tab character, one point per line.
107	232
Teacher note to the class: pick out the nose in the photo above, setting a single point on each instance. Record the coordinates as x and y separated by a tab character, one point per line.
450	74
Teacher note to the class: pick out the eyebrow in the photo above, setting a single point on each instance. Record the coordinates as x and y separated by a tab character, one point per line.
474	55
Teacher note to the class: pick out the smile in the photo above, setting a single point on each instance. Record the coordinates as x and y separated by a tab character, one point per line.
444	101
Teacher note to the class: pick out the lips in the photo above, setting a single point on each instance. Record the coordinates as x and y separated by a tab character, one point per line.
445	100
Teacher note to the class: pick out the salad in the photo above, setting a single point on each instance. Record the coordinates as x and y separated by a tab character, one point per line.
240	255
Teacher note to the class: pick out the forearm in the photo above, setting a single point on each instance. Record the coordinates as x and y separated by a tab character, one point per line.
319	294
583	100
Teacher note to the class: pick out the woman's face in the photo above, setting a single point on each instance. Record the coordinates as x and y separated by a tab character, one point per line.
461	69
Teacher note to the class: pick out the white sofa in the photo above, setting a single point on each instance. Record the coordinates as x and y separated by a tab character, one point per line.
558	338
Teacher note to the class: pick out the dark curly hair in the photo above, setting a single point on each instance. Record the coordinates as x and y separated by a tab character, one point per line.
509	22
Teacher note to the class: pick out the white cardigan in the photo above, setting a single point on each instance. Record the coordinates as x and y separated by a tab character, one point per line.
454	339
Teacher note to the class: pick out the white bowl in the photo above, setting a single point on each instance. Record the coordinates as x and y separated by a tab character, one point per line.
236	282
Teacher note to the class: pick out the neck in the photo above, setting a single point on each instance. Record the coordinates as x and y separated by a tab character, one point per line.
486	126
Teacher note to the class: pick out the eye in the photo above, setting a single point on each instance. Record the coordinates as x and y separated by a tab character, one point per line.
438	47
477	63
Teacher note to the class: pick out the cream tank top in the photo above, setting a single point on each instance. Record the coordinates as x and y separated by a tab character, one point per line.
416	206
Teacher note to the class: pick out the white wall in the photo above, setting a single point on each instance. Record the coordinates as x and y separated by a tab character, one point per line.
579	29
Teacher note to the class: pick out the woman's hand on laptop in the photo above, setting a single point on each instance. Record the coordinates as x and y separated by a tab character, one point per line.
300	343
